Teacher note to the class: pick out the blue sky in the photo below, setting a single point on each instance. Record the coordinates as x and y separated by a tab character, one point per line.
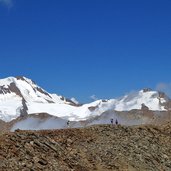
81	48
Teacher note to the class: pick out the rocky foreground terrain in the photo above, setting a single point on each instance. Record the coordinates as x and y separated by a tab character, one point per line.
100	147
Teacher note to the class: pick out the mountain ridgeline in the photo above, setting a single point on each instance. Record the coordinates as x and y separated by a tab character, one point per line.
23	102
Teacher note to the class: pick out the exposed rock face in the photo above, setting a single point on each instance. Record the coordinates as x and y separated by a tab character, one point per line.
23	111
100	148
13	88
144	107
3	126
92	108
147	90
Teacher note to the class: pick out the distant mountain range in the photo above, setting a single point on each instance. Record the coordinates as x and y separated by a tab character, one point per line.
21	97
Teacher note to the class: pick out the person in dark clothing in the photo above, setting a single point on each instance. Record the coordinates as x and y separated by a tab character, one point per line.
111	121
116	122
68	122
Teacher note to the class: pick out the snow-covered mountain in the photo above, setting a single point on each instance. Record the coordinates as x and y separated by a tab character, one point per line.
20	96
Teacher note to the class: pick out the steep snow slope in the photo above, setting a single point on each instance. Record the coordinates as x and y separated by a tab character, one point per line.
10	106
21	96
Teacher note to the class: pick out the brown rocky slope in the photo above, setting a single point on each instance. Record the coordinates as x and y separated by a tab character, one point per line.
100	147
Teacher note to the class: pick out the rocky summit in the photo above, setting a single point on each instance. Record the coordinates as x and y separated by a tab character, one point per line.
99	147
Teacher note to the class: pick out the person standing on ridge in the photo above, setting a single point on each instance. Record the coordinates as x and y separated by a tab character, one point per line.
68	122
116	122
111	121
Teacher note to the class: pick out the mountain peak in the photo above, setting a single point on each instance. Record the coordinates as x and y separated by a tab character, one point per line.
147	90
9	80
18	93
20	78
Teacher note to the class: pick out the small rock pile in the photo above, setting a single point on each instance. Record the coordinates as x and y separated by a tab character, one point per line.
100	147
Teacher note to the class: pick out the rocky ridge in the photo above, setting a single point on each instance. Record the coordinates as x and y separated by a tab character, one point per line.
100	147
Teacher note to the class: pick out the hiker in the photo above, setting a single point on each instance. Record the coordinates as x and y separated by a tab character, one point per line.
111	121
68	122
116	122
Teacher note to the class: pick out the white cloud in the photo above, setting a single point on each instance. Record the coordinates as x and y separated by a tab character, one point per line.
8	3
39	124
164	87
74	100
93	97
